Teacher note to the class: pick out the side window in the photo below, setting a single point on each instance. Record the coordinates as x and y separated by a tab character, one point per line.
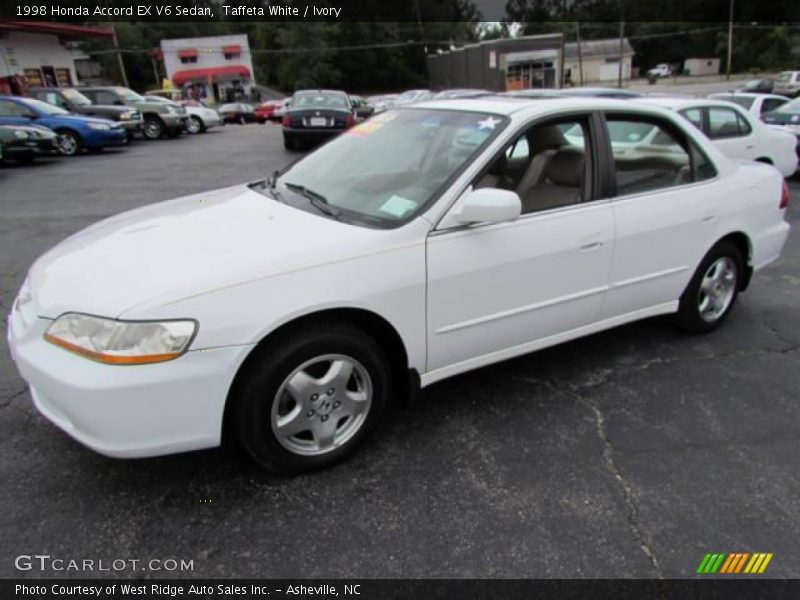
771	104
55	99
10	109
90	94
648	155
545	165
744	126
102	97
695	115
725	123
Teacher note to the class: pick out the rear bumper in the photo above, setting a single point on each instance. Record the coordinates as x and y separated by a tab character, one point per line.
768	244
308	134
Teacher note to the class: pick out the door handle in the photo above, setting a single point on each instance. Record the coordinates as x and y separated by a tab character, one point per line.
709	217
589	246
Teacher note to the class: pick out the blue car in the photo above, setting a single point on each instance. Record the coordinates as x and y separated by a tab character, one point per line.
75	132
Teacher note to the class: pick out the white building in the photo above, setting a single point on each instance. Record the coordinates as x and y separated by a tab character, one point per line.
39	53
598	59
217	68
701	66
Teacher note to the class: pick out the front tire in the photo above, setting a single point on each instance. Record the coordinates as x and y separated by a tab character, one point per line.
195	125
68	142
713	289
153	128
311	397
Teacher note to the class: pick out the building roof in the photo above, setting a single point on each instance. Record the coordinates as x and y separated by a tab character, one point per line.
65	30
598	49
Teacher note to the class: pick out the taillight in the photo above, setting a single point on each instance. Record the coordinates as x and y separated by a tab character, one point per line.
785	195
286	120
348	121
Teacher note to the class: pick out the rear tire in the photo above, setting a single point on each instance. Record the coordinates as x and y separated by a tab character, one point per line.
289	143
311	396
713	289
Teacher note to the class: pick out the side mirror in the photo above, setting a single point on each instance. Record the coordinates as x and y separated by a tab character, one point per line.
489	205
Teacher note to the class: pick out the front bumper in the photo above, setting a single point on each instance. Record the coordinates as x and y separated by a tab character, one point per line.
174	122
134	126
29	148
100	139
125	412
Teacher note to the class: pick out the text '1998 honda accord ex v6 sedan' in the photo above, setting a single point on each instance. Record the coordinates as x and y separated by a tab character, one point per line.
289	313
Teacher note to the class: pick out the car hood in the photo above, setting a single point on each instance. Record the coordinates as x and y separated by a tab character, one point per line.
189	246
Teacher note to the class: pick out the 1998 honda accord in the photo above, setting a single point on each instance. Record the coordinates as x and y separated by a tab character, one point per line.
289	313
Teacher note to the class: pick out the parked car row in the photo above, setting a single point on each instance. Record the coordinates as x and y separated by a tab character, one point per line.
92	118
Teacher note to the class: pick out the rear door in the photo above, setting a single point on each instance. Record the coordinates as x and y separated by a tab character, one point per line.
665	204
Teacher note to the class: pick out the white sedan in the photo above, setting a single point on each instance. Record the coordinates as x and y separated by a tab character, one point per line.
735	131
201	118
288	314
755	104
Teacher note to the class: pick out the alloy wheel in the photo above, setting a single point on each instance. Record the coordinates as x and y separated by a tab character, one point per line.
321	405
67	144
717	289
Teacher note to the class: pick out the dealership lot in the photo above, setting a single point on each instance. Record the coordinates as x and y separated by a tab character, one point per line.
628	454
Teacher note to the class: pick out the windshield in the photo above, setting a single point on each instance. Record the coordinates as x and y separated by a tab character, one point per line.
793	106
785	76
319	101
386	170
76	97
44	107
128	95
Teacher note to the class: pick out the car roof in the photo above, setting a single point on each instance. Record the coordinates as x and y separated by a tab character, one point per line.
313	91
746	95
508	105
676	103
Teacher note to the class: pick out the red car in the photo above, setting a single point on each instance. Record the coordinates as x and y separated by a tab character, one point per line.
265	111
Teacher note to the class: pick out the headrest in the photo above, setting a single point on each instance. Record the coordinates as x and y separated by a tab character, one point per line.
565	168
544	138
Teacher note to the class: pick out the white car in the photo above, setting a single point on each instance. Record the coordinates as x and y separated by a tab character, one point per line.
756	104
201	118
425	242
661	70
787	84
736	131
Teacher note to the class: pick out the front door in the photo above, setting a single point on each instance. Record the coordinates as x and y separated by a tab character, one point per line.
497	290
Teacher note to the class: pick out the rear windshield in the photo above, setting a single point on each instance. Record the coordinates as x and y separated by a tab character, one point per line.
319	100
790	107
743	101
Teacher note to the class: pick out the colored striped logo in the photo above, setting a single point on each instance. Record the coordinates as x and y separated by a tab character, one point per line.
734	563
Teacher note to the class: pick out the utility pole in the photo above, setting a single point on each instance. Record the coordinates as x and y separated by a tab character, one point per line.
580	55
119	57
621	51
730	43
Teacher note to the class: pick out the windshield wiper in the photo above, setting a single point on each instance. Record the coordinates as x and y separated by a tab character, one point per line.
317	200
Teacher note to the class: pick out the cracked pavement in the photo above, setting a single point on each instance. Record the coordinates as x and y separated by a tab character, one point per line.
630	453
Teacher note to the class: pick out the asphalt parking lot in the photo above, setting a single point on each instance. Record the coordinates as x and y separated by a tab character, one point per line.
631	453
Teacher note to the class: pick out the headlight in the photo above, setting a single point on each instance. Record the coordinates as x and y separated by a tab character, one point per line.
121	342
19	134
99	126
172	110
125	117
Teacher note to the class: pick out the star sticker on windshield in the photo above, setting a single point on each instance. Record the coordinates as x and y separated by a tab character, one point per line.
488	123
